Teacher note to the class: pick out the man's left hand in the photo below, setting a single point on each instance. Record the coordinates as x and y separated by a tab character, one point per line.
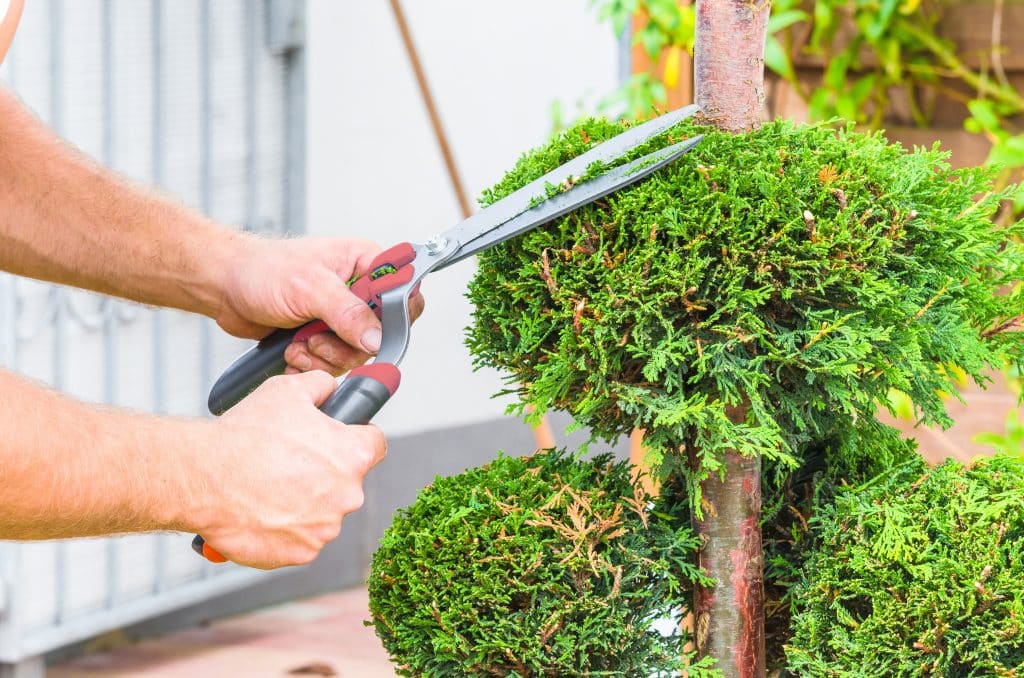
285	283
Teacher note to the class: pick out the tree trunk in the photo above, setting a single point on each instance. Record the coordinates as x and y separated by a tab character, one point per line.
728	61
729	618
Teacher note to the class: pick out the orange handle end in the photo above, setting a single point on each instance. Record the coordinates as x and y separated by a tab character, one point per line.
200	546
213	555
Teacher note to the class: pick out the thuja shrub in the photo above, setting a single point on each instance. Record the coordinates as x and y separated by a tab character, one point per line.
918	574
851	455
796	273
793	500
537	566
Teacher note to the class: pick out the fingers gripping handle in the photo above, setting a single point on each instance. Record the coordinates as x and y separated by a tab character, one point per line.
363	393
355	401
390	269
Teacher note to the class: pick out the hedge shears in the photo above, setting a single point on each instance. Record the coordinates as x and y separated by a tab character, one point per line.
395	274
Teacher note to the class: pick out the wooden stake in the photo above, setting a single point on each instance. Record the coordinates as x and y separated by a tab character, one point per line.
542	431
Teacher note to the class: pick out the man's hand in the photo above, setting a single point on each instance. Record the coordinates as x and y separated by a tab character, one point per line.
267	484
141	246
281	474
285	283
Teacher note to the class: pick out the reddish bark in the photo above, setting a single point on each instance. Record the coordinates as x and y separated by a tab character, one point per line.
728	61
730	616
729	83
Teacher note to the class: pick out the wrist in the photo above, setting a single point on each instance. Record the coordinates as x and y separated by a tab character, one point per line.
184	498
220	254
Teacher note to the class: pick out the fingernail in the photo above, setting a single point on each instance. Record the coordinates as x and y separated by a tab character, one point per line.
303	362
371	340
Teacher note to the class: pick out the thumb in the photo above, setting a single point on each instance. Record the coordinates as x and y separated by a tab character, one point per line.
349	316
314	386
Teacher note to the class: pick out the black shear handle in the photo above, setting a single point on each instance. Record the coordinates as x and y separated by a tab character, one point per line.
255	366
356	401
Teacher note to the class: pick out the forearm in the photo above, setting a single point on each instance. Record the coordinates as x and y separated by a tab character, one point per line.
65	219
72	469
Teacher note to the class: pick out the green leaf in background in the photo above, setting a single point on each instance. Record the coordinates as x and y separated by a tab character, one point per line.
836	71
824	26
891	53
617	12
653	39
819	107
1010	442
784	19
863	87
983	116
777	59
846	107
901	405
877	24
1007	152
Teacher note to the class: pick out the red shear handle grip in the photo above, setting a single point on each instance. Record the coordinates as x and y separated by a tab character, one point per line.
390	269
355	401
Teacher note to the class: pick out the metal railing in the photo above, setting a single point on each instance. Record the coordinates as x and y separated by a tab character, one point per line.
205	99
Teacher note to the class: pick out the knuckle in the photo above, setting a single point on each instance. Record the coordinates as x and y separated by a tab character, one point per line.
277	383
330	532
305	555
377	442
294	350
327	349
325	378
364	246
374	437
353	310
352	501
369	448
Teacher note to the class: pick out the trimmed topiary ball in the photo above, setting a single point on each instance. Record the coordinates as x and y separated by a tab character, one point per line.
852	455
797	273
917	575
536	566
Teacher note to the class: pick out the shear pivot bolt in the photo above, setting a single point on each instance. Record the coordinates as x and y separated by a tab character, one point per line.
436	244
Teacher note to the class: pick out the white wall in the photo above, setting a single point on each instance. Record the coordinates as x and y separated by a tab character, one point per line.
374	167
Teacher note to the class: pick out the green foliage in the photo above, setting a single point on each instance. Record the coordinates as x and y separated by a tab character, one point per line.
535	566
851	455
917	575
797	271
1011	441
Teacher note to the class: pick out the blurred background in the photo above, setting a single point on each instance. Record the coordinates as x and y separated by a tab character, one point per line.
384	119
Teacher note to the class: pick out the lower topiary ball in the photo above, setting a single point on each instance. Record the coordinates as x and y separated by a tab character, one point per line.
917	575
852	454
536	566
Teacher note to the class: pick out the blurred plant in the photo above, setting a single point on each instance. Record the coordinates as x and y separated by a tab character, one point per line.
876	53
1010	442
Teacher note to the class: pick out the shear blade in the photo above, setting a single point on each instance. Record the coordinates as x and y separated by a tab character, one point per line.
574	198
524	198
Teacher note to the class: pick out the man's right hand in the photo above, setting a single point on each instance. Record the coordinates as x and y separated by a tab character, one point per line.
279	475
